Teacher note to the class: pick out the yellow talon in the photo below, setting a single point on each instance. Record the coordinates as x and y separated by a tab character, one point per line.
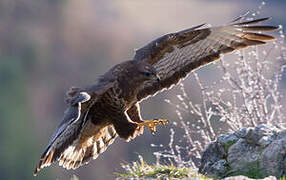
151	124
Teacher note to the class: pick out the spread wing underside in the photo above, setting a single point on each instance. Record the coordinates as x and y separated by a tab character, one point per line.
76	139
68	130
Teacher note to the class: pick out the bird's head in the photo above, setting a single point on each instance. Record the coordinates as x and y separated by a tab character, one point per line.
147	71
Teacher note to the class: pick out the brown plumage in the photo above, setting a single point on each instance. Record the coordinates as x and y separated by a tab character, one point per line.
96	115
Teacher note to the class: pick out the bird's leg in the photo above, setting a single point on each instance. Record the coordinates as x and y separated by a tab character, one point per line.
134	114
151	124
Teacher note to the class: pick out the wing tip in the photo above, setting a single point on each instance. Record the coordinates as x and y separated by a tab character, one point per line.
191	29
265	19
255	21
256	36
37	169
45	161
35	172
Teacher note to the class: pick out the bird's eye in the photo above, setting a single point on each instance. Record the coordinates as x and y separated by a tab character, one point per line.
147	73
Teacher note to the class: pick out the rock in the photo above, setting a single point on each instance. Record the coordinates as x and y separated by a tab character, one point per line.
227	140
246	178
243	153
256	152
198	178
274	158
210	158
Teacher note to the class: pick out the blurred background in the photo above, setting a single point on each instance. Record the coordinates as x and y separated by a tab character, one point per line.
48	46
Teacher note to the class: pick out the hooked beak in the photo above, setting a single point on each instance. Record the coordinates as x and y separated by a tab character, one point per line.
158	78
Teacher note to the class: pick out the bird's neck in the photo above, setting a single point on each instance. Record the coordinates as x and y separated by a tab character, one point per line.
130	87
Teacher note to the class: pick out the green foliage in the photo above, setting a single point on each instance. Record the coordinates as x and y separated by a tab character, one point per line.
143	170
253	171
229	144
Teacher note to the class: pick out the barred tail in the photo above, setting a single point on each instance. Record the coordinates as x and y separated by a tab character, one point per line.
75	156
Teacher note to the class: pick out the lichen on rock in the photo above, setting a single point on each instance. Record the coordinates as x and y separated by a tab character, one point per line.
256	152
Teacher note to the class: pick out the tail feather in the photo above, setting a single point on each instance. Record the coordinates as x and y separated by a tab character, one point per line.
76	155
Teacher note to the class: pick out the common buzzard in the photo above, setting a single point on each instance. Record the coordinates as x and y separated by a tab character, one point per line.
99	113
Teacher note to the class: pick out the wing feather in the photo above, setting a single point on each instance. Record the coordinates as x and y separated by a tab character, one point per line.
79	154
63	145
68	131
175	55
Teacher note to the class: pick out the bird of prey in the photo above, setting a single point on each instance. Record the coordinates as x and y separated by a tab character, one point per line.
99	113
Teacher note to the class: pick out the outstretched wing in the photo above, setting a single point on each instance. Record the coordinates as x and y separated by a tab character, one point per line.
69	129
175	55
